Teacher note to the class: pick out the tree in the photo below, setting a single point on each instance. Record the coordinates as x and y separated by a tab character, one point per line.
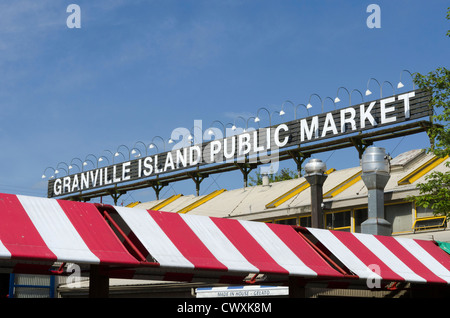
435	192
284	174
438	82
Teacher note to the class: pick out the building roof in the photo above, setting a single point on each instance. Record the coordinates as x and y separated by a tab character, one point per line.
342	188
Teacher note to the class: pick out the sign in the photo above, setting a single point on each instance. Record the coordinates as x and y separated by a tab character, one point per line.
241	291
257	145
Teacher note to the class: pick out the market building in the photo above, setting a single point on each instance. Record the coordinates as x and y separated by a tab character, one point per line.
290	238
288	202
344	199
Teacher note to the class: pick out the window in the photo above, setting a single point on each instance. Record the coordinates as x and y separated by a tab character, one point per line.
425	219
305	221
434	222
360	216
290	221
338	221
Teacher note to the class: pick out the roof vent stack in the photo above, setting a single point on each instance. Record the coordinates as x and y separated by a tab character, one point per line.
316	176
265	179
375	174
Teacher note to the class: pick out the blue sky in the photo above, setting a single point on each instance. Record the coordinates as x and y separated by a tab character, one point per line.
139	69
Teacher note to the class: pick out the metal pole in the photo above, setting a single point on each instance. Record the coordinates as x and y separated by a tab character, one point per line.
315	175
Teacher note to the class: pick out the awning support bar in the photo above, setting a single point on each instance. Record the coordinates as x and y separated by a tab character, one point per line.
60	270
138	253
326	257
102	208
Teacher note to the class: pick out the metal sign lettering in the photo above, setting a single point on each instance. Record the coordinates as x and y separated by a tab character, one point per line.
255	144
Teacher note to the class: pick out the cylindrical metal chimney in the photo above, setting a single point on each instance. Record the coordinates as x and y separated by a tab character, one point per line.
315	166
265	180
375	174
315	175
374	159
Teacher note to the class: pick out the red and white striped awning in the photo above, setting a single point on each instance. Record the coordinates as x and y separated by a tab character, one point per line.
227	246
387	258
172	246
47	230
